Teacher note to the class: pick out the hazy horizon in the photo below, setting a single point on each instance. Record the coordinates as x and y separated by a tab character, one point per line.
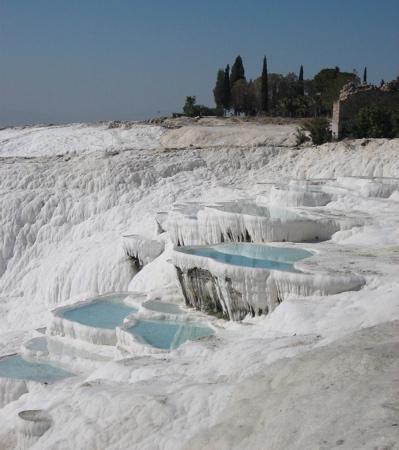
72	61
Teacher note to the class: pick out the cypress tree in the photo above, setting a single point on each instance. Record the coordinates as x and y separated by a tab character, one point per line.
226	88
237	71
365	75
226	97
264	105
300	78
300	82
218	91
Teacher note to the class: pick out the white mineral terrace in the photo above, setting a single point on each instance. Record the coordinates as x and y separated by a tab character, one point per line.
142	249
126	321
32	425
289	195
310	357
11	389
20	374
370	187
85	322
249	221
239	290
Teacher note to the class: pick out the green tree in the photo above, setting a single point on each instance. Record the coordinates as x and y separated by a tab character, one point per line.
319	130
283	93
365	75
239	96
373	122
250	99
328	84
237	71
301	88
287	95
289	85
226	89
264	88
285	98
189	108
275	85
218	91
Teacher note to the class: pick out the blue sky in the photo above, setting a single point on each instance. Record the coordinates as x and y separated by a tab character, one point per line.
87	60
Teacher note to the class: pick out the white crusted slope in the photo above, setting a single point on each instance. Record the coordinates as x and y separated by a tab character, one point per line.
339	396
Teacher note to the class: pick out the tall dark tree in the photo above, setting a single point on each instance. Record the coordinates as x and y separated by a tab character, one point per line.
301	88
300	77
218	91
237	71
239	94
264	88
250	99
226	89
365	75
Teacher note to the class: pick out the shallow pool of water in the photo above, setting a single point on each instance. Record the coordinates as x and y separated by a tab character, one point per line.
168	334
162	307
251	255
107	312
16	367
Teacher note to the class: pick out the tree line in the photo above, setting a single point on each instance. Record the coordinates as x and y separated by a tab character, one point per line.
274	94
292	95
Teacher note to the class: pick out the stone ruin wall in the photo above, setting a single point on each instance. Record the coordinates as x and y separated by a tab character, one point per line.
352	99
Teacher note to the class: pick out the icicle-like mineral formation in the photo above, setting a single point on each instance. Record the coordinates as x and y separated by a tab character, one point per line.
141	249
11	389
32	424
247	221
233	291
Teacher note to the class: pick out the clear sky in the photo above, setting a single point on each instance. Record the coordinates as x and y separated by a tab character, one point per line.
87	60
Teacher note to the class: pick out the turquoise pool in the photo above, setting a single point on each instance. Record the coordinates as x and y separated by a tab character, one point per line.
14	366
251	255
168	335
104	312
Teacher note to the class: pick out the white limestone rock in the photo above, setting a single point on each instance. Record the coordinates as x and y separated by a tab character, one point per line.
142	249
11	389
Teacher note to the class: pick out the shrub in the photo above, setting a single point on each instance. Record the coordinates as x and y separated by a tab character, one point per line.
373	122
300	137
395	123
319	129
191	109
